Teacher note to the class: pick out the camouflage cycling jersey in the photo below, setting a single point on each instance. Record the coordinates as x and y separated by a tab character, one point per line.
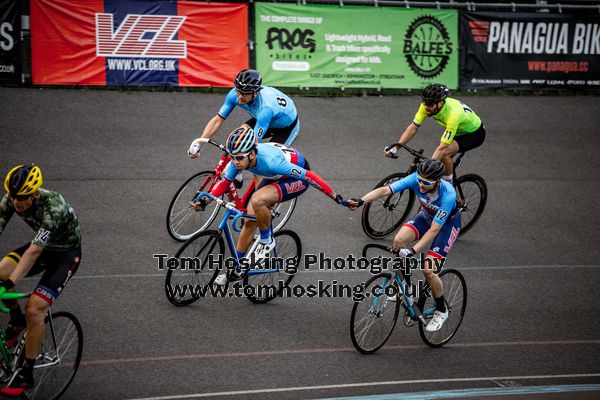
51	216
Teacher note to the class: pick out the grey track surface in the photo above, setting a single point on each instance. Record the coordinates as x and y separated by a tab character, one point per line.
118	157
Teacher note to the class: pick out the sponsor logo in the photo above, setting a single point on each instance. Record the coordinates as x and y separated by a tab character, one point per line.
427	46
537	37
6	40
294	187
290	49
42	237
140	36
452	239
45	294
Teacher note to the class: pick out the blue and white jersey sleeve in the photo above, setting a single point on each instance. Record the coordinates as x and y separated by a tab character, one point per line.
263	120
230	103
408	182
447	203
231	171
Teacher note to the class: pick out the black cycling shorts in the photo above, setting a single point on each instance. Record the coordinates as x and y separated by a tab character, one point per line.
58	268
470	141
276	135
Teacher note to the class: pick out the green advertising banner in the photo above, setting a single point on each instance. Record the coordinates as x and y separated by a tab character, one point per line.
355	46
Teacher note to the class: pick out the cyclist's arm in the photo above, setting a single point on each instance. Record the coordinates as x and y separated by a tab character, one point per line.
263	120
221	188
440	218
212	126
450	132
425	242
26	262
395	187
293	171
411	130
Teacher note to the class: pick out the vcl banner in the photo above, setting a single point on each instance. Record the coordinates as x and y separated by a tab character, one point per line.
530	51
137	43
10	30
356	47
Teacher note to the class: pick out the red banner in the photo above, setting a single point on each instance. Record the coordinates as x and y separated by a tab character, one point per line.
139	43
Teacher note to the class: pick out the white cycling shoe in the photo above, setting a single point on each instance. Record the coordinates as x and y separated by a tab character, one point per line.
263	250
228	276
437	321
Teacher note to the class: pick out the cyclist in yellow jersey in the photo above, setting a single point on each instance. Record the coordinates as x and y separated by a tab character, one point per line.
463	128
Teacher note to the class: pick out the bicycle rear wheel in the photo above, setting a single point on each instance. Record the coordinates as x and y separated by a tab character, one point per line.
383	216
373	319
183	221
264	287
455	294
59	356
183	284
471	193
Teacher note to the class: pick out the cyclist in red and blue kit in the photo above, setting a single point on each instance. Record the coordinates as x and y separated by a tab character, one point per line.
434	228
281	173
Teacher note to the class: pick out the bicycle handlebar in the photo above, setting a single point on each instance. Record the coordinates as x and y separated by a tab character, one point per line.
416	153
4	295
214	143
228	205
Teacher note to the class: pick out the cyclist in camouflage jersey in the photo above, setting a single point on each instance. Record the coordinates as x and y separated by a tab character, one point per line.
55	250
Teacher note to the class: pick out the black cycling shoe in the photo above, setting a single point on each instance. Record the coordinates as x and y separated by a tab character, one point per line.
13	330
22	382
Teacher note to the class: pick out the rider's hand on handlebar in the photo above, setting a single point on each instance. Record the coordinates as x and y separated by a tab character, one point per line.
391	152
406	252
194	149
201	204
8	284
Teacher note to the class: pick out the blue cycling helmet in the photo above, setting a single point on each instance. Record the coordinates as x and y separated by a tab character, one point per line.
242	140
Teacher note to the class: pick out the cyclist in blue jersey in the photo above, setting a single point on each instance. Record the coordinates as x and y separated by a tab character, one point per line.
281	173
274	114
435	227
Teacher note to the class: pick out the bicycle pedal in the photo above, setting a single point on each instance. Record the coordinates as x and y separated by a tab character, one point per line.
407	320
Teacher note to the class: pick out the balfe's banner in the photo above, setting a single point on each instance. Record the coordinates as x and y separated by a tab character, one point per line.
10	30
530	51
356	47
141	43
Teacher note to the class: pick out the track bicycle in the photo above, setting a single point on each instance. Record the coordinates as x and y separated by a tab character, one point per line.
183	221
384	216
59	357
373	320
267	281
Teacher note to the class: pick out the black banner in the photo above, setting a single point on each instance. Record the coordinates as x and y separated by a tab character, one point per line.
10	28
529	51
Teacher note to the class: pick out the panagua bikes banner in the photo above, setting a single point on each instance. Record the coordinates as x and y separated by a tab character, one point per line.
10	30
137	43
530	51
356	47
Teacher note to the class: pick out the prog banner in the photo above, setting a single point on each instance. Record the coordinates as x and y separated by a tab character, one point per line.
10	28
138	43
530	51
356	47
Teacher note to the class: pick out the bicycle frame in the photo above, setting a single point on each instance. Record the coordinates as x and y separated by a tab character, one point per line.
234	214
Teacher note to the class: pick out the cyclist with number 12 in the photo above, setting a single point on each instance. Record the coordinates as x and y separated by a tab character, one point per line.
464	130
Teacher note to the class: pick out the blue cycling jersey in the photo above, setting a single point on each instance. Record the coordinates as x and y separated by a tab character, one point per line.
439	205
271	108
274	161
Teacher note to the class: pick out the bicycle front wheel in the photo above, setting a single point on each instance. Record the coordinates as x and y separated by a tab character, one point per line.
263	286
471	193
183	221
383	216
282	213
455	295
197	267
59	357
373	319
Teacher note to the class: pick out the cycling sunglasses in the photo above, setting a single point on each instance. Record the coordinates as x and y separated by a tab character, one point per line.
425	182
20	197
240	157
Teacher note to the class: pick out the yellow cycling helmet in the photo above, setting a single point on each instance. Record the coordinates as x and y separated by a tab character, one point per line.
23	180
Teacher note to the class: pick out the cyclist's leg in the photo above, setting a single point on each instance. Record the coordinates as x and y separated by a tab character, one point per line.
437	253
411	230
61	266
444	152
466	143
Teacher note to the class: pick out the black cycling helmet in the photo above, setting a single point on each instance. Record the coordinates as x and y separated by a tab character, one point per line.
248	81
434	93
431	169
23	180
